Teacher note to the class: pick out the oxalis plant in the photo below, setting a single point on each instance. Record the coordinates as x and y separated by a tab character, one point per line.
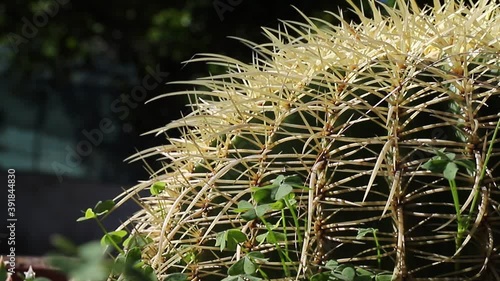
358	151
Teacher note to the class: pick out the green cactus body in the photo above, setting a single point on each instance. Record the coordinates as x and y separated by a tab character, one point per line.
354	111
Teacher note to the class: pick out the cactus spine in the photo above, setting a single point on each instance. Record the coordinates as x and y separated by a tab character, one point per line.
354	111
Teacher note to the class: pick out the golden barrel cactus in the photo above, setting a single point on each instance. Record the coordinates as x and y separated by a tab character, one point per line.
385	127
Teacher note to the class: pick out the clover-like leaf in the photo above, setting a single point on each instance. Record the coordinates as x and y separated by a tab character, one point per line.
103	207
89	214
349	273
282	191
243	206
157	187
362	232
249	215
113	238
261	237
137	241
275	237
278	180
295	181
262	196
331	264
249	267
237	268
247	209
234	237
467	164
256	256
261	210
435	165
229	239
220	240
278	205
324	276
450	171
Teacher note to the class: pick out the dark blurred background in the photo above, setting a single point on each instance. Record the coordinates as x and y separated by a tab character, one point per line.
74	76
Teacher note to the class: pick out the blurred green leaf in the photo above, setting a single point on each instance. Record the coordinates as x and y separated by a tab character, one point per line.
176	277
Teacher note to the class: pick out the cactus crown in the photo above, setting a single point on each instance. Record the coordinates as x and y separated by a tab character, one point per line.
371	118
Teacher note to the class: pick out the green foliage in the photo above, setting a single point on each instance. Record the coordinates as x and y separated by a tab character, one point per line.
92	261
157	188
101	208
89	263
346	272
446	164
230	239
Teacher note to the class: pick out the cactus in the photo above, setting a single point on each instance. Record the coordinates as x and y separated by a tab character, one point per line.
375	142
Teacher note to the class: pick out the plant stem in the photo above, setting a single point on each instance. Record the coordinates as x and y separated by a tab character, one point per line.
101	226
379	256
283	256
483	169
295	219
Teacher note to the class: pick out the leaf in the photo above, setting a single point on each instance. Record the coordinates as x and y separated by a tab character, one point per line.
3	271
349	273
261	210
231	278
320	277
262	196
157	188
229	239
237	268
445	156
103	207
467	164
261	237
275	237
118	265
220	240
133	257
450	171
91	251
256	255
89	214
278	205
363	231
383	277
41	279
278	180
237	235
435	165
251	278
363	272
149	274
283	190
248	266
63	245
176	277
295	181
137	240
331	264
115	237
243	206
249	215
